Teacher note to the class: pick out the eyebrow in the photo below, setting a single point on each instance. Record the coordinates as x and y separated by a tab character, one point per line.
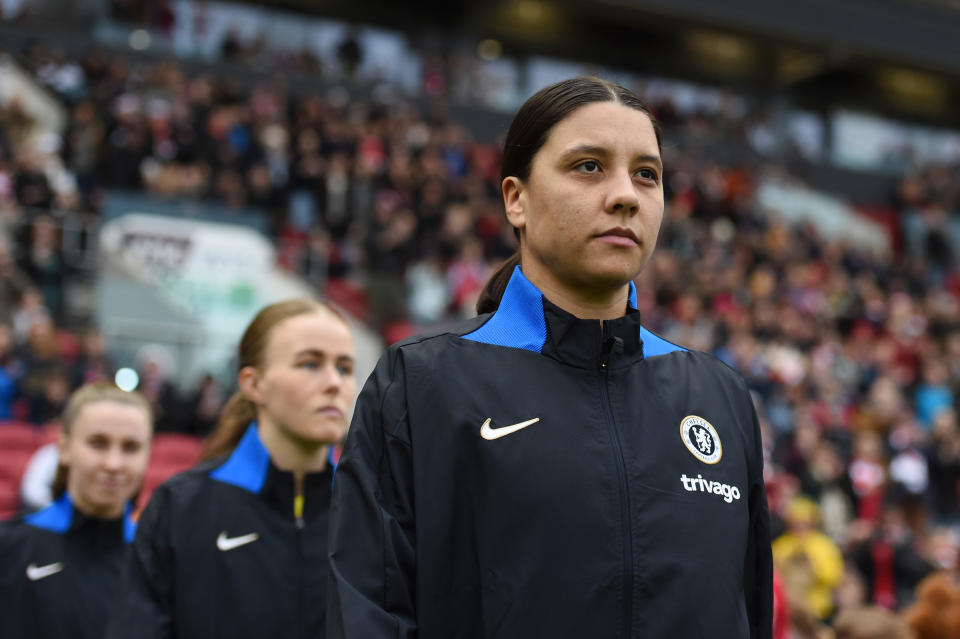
314	352
590	149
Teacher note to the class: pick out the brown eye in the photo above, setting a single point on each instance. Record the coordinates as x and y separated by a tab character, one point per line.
131	447
590	166
648	174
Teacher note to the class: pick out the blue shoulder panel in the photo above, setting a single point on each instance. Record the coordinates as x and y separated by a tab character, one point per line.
247	466
56	517
518	322
654	345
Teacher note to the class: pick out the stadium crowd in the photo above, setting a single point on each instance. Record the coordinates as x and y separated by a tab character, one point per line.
854	358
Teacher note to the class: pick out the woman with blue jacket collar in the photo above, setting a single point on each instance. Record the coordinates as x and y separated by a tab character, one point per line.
62	565
237	546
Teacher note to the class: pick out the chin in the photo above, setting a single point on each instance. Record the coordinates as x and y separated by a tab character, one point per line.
322	433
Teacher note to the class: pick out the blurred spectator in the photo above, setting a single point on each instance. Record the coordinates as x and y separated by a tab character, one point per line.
936	613
48	406
810	562
889	560
870	623
43	263
9	373
203	406
92	364
40	383
155	364
350	53
943	461
13	282
933	393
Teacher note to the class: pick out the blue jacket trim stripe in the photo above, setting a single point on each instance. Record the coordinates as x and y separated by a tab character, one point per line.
333	464
519	320
129	526
247	465
654	345
632	295
56	517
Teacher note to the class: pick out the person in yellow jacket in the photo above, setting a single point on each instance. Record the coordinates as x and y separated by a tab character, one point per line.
809	560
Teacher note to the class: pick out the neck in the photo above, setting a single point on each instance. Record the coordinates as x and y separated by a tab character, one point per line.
585	302
91	510
291	454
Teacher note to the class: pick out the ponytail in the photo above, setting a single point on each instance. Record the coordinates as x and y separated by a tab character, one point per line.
59	485
492	292
234	420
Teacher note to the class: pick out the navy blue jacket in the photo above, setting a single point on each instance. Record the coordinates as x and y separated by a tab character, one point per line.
531	474
60	572
220	554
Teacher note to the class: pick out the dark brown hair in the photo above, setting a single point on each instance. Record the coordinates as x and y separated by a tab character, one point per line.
240	411
87	394
528	133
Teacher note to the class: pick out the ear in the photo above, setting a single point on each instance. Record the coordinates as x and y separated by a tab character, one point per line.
515	201
248	379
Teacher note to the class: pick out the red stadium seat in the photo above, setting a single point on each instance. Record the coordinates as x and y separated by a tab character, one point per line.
18	435
47	434
176	449
170	454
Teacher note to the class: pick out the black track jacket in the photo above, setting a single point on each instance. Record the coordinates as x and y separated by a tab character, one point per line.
60	572
536	475
219	554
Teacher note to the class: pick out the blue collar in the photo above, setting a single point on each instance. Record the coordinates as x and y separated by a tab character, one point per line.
520	322
247	465
58	517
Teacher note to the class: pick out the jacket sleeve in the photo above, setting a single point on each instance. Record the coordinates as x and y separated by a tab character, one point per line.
144	604
372	544
758	561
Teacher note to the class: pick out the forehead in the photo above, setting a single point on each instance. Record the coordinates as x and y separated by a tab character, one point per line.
112	419
611	125
316	331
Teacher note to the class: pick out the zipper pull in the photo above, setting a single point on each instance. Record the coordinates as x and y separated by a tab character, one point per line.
298	510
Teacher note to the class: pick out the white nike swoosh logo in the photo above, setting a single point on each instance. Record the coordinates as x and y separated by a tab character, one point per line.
35	572
495	433
225	543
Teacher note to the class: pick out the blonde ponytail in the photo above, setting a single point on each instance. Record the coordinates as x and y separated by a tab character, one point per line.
234	419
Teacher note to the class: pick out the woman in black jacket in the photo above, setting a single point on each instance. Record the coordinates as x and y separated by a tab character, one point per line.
552	468
236	547
60	567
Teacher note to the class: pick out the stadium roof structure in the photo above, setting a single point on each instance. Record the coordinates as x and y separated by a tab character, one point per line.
899	57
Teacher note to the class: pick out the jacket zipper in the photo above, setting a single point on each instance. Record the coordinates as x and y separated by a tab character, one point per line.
301	586
627	619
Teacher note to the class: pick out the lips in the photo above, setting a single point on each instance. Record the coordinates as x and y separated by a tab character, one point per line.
620	235
330	411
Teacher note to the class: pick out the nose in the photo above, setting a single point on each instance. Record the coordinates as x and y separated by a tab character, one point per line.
113	459
332	379
622	196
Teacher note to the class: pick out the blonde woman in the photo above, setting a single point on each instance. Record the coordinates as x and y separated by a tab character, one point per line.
61	566
237	546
